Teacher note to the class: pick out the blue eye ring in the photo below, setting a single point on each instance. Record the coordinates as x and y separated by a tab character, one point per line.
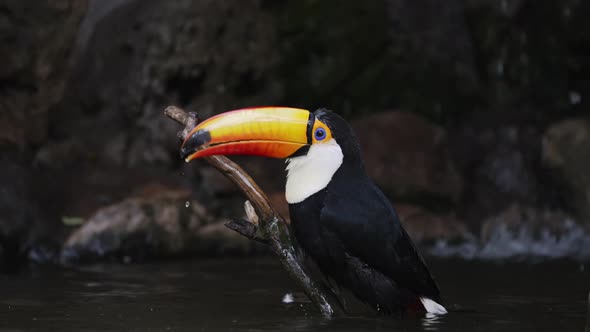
320	134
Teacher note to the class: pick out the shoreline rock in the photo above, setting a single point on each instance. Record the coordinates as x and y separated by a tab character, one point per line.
166	223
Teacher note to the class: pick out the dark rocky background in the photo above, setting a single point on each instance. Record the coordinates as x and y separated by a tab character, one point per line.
473	115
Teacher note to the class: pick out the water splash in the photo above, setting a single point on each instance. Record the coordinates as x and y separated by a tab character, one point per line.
288	298
575	97
525	242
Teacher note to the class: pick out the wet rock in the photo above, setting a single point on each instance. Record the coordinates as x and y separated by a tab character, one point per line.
161	223
528	231
435	71
279	203
208	56
408	157
517	217
34	51
61	155
29	217
566	149
35	47
425	227
523	232
215	182
502	165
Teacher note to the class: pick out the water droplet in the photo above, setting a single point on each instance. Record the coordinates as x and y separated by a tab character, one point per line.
500	68
288	298
187	204
575	97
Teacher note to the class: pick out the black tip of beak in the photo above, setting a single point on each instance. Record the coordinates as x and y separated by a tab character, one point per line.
194	142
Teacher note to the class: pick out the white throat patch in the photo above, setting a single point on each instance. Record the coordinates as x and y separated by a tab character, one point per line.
306	175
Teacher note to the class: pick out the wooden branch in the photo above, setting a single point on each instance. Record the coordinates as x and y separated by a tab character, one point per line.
270	227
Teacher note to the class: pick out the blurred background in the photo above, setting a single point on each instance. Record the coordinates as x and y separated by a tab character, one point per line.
473	117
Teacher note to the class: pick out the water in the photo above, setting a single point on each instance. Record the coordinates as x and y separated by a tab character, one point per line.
246	295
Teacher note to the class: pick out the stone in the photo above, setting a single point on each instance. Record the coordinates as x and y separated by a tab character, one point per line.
206	56
35	50
158	223
426	227
36	44
29	217
566	150
408	157
502	164
279	203
521	231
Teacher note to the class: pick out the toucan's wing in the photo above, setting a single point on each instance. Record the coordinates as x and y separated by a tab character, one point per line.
369	229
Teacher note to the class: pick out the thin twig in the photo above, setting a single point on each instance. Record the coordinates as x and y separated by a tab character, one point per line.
271	228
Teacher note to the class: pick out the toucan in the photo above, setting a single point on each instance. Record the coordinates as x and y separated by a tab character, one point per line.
339	217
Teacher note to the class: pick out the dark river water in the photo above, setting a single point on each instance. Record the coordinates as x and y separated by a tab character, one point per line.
246	295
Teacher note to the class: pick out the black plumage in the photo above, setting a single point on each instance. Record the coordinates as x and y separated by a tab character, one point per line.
352	232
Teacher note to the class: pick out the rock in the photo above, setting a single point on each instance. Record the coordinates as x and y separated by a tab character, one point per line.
215	182
34	51
207	56
35	47
408	157
15	211
566	150
521	231
502	165
158	224
425	227
61	155
517	217
279	203
434	67
29	216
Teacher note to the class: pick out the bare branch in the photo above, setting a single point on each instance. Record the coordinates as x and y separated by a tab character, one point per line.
271	227
246	228
251	213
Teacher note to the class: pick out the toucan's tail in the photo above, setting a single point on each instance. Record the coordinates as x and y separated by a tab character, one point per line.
432	307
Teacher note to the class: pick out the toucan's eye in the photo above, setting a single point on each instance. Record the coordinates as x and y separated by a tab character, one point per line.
320	134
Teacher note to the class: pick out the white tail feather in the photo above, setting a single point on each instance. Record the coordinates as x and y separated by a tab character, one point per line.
432	307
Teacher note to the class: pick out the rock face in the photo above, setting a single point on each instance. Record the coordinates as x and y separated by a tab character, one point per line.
502	164
17	209
34	60
30	225
566	148
204	55
35	44
426	228
408	157
161	224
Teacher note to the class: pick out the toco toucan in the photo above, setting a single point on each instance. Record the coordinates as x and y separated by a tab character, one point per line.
339	217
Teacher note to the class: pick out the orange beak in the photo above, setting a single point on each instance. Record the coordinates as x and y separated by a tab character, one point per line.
276	132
